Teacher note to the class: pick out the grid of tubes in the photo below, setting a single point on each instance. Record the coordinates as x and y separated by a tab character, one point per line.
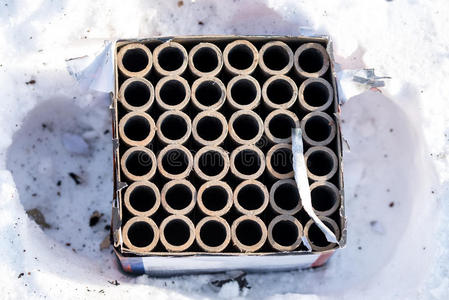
205	146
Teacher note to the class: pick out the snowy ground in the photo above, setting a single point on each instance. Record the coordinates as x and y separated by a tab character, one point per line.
396	173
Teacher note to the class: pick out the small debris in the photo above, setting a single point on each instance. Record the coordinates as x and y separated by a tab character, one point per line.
200	23
106	131
359	247
38	217
94	218
75	178
44	125
58	183
105	243
239	277
68	244
114	282
107	227
32	81
20	275
391	204
180	3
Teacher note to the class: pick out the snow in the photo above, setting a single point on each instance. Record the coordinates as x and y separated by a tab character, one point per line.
396	172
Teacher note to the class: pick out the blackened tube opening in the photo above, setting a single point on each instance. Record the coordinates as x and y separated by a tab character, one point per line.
211	163
208	93
172	92
286	196
316	94
281	126
177	232
175	161
241	57
171	58
205	60
213	233
139	163
142	198
320	163
137	93
248	232
279	91
137	128
251	197
174	127
285	233
140	234
318	128
317	237
243	92
276	58
179	196
135	60
215	198
247	162
311	60
246	127
323	198
209	128
281	161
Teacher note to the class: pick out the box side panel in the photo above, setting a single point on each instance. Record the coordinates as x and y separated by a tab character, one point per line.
176	265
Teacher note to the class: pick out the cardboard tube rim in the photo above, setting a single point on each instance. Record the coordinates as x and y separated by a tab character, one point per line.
333	128
302	101
270	168
248	248
233	70
160	84
127	242
335	206
333	157
285	105
237	172
128	174
200	172
126	139
268	119
334	226
253	212
173	248
273	203
214	114
323	53
213	249
172	210
178	113
234	135
265	68
209	184
215	106
129	82
188	154
214	48
163	46
122	67
253	103
283	218
136	212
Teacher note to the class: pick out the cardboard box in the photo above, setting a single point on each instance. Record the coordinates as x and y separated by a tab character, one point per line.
161	262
